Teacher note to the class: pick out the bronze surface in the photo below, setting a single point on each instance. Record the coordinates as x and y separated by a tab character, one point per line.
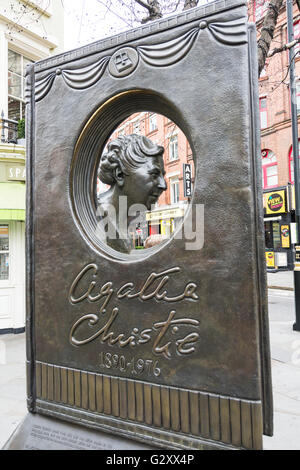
227	420
170	345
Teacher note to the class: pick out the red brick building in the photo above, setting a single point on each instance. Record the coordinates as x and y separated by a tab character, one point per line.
274	100
276	139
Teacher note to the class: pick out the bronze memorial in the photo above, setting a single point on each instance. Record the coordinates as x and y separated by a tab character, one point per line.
167	346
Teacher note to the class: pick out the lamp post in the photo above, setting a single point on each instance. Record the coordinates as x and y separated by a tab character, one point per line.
290	30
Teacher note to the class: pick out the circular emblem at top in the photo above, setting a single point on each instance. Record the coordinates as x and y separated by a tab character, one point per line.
123	62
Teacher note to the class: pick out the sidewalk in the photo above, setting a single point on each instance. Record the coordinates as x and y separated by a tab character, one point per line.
285	362
12	384
281	280
285	354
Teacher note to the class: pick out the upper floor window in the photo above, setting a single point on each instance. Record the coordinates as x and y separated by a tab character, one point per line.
16	85
269	169
263	112
297	36
152	122
173	148
174	190
264	72
298	96
291	163
136	127
260	8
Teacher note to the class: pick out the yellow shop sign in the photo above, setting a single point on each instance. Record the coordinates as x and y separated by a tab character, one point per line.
270	259
275	202
285	236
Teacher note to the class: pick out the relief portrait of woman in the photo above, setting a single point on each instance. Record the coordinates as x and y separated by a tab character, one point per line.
133	166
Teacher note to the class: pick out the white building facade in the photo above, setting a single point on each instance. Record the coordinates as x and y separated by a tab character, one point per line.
30	30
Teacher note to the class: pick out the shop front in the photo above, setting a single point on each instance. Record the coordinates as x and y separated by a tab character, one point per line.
164	220
279	229
12	239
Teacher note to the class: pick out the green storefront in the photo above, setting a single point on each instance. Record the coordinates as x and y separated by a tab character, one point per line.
12	238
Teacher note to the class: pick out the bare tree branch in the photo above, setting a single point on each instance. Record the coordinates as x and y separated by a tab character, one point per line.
282	82
109	8
154	8
176	6
283	48
24	14
267	32
191	4
144	4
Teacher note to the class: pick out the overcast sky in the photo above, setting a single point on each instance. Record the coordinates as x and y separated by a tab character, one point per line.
87	21
83	21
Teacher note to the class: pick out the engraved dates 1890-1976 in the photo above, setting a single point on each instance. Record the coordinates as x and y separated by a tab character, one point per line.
133	366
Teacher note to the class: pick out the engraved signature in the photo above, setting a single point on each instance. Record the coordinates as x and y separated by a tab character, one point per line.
153	287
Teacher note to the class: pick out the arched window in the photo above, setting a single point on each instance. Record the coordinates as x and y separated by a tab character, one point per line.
269	169
291	163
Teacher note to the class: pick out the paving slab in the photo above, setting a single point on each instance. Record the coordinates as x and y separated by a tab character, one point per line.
13	406
281	280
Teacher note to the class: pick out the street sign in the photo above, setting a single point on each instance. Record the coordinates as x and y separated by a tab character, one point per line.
187	180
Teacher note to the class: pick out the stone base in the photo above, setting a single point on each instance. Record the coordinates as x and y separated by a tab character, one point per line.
38	432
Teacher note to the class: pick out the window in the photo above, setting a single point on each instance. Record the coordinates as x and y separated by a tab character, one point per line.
297	36
167	227
298	96
173	148
174	190
263	112
264	73
260	8
154	228
291	163
152	122
136	127
272	235
276	235
269	169
16	85
4	253
268	235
